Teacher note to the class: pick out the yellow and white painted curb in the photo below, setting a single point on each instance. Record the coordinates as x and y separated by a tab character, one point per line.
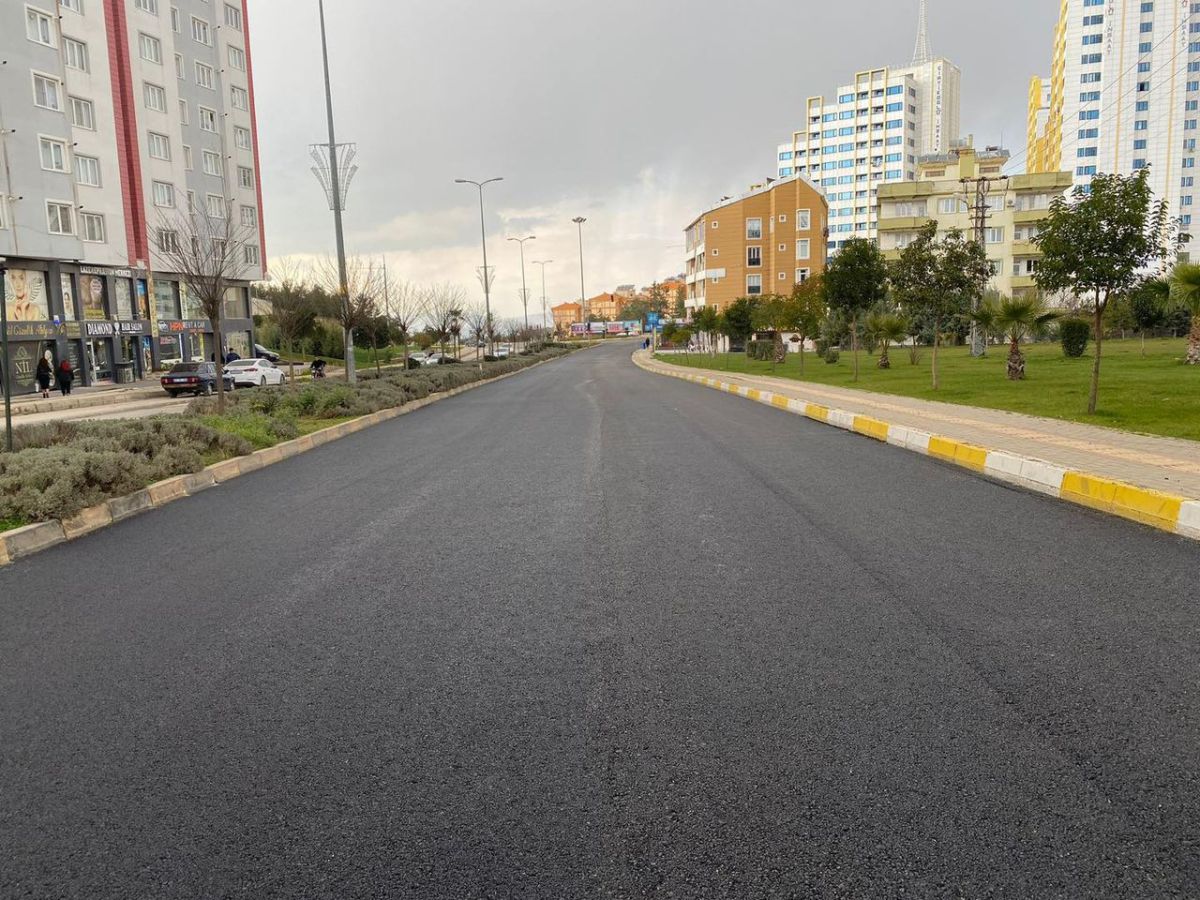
1167	512
30	539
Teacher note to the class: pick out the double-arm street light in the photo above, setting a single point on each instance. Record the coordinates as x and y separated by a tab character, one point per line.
524	289
583	313
543	263
487	287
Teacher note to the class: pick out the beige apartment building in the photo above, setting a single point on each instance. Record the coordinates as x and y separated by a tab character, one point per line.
947	191
763	242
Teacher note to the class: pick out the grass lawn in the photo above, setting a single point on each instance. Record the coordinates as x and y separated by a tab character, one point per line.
1154	395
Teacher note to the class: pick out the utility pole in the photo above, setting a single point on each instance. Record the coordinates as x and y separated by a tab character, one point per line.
524	289
976	192
485	275
335	170
6	372
543	263
583	310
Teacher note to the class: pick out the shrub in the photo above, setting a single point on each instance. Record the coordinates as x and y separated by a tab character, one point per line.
831	355
1074	334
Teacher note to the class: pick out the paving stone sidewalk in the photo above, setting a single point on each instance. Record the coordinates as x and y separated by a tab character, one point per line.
1164	464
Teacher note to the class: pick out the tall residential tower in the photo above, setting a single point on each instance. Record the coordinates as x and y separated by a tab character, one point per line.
1123	95
116	116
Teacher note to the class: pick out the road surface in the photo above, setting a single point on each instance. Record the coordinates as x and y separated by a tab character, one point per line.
594	633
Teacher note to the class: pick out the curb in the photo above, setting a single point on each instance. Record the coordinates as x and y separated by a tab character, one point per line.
30	539
1166	512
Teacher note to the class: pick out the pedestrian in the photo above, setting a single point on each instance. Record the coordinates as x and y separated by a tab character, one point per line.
44	373
66	375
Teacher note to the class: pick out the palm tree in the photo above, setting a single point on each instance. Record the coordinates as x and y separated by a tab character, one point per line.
1018	317
1185	291
886	329
985	316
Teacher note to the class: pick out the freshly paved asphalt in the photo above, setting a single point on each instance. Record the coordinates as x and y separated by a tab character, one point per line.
592	633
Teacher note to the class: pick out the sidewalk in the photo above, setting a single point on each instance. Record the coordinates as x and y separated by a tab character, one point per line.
1074	459
84	397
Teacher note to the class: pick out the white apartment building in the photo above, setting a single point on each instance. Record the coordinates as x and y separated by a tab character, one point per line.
1124	95
117	116
872	133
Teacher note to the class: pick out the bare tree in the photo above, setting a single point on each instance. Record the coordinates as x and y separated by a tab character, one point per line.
476	321
406	306
292	308
357	299
208	253
444	303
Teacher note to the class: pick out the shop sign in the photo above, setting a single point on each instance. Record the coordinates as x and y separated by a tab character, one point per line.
197	325
101	329
44	330
165	327
116	273
133	328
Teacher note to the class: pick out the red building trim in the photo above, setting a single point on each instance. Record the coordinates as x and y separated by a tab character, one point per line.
128	142
258	174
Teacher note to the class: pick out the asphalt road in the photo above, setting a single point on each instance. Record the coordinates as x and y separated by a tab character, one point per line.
593	633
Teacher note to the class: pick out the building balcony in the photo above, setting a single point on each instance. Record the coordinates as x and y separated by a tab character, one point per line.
1023	281
903	223
1027	216
1026	248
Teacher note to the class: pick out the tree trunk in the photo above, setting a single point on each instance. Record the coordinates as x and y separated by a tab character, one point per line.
884	362
1143	343
219	358
1094	393
404	337
348	344
1193	354
1016	362
854	343
936	340
802	355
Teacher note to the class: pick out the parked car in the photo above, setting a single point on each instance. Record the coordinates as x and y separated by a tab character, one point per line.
193	378
419	357
503	351
435	359
263	353
255	373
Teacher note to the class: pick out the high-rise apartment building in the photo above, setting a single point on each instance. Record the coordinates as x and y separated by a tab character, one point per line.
1123	95
763	242
116	118
871	133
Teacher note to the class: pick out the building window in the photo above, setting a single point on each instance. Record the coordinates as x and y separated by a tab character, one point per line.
46	93
208	119
250	216
246	177
801	276
83	114
150	48
180	68
188	163
993	235
753	285
87	171
91	228
159	146
53	154
150	6
803	219
212	164
204	75
164	195
233	17
251	255
75	54
39	26
754	256
783	248
175	26
239	98
155	97
241	138
201	33
753	229
803	248
215	206
185	115
60	218
73	5
237	59
168	240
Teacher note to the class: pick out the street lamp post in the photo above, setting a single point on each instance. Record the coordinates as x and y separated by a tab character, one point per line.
487	287
524	289
543	263
583	312
6	373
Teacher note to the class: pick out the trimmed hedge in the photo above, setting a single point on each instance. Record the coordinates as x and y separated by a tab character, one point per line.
1074	334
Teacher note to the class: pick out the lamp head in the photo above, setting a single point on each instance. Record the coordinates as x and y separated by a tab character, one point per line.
579	220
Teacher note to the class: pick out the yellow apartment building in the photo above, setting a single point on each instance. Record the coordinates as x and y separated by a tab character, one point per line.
946	191
763	242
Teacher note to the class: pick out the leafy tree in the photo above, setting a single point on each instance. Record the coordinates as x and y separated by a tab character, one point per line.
804	310
886	328
1096	243
1019	317
1185	292
707	321
292	309
738	319
855	280
680	301
984	318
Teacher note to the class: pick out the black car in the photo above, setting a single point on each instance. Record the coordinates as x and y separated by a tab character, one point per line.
193	378
262	352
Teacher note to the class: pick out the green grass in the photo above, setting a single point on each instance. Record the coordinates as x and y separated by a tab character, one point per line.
10	524
1153	395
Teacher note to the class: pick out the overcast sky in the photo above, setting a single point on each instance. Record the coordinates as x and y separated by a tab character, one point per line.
634	113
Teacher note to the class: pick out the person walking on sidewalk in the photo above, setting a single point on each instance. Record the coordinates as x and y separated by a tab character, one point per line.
66	375
44	374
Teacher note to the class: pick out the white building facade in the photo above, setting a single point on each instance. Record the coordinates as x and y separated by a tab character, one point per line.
871	133
116	118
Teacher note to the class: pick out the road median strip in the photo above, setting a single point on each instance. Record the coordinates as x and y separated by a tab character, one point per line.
1166	512
27	540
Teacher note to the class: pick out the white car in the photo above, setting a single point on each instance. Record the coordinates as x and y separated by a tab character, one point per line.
434	359
419	357
255	373
503	351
